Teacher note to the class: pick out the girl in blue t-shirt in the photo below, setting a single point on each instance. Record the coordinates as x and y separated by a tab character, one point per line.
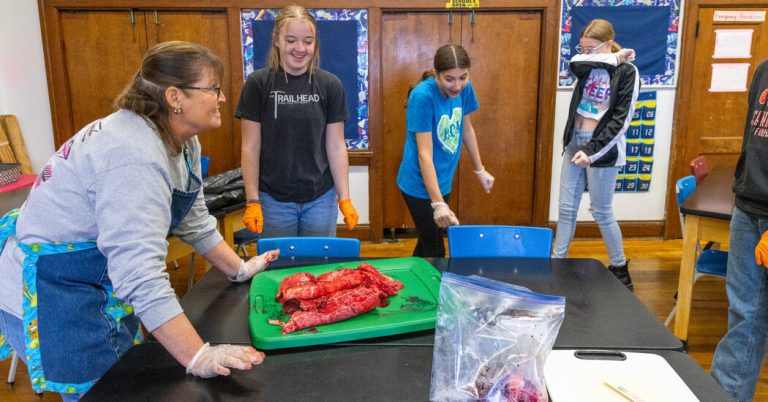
437	123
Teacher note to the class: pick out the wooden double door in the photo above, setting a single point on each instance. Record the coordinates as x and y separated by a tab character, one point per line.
101	50
505	49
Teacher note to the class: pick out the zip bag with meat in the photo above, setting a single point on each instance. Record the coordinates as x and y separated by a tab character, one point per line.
333	296
491	341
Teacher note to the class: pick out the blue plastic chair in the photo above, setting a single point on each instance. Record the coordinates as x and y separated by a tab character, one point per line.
709	262
327	247
205	161
499	241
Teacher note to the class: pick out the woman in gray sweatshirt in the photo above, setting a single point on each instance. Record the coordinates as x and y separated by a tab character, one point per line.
84	258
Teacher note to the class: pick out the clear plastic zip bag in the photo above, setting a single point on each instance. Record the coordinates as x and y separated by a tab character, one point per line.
491	340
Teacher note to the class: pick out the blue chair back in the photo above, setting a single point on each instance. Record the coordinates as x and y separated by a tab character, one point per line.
311	246
205	161
499	241
684	188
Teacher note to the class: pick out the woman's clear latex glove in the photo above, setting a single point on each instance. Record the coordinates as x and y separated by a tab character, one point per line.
211	361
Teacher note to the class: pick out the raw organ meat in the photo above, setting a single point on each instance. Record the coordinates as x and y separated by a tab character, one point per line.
338	307
298	279
333	296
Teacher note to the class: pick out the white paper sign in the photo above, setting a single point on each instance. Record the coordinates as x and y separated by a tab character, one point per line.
730	77
740	16
733	43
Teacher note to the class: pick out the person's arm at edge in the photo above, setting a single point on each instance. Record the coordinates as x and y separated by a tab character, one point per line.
470	141
250	156
336	149
427	166
179	338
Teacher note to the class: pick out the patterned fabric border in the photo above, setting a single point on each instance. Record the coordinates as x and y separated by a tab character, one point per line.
668	79
359	15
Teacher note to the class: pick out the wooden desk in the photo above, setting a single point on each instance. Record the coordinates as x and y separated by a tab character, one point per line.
230	222
707	217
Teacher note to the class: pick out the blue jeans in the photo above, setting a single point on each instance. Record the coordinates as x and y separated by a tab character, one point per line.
12	328
602	182
316	218
739	355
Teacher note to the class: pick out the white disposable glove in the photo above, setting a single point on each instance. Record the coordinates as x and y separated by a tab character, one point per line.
211	361
443	215
255	265
485	179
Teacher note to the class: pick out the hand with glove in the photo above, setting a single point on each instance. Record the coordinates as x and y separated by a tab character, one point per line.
485	178
211	361
761	251
253	218
253	266
443	215
349	212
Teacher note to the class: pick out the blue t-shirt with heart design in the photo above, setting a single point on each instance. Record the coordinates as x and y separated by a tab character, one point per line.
431	111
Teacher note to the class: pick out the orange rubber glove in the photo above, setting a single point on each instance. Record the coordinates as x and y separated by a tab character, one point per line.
349	212
253	218
761	251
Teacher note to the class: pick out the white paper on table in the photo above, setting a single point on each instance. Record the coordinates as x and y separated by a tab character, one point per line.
733	43
729	77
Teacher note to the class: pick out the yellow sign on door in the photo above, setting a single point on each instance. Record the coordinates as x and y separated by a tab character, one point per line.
462	4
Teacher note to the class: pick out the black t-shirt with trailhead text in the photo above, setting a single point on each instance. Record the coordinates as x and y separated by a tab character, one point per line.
293	114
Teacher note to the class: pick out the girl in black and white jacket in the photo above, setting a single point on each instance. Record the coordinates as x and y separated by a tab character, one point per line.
599	114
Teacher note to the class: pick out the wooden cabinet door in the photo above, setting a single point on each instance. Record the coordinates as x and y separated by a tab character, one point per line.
409	41
102	50
210	29
505	49
715	120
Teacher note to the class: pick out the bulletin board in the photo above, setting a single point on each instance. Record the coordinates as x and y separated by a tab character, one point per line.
635	176
343	39
648	26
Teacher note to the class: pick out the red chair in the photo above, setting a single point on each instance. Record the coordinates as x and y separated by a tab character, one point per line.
699	168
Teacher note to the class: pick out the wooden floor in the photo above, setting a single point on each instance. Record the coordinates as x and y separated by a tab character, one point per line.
653	264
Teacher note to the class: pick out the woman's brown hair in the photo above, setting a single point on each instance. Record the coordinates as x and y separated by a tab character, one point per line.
167	64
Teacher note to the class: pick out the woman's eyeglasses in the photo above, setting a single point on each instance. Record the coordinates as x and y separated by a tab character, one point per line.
214	89
588	49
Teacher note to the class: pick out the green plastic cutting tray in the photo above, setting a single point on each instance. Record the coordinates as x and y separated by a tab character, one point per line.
413	309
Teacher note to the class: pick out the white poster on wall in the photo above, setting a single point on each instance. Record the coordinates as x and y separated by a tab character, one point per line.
733	43
729	77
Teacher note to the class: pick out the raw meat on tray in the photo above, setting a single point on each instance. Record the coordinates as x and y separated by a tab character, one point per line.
333	296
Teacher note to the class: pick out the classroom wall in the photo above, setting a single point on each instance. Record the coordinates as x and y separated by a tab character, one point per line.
23	92
23	85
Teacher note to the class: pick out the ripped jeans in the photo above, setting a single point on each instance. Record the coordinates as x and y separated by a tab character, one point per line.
602	182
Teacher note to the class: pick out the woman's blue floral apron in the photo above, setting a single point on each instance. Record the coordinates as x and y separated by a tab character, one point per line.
75	328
